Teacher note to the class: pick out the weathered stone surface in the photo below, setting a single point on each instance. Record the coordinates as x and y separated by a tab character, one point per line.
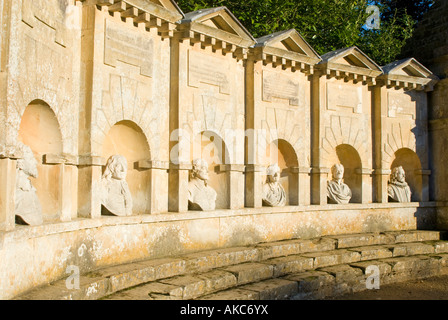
230	256
146	81
418	248
359	240
320	244
273	289
384	268
218	280
334	257
281	248
192	286
158	289
290	264
234	294
344	273
250	272
373	252
439	246
404	264
164	268
398	250
313	284
414	235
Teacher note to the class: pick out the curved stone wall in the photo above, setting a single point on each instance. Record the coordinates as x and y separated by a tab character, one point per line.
32	256
131	94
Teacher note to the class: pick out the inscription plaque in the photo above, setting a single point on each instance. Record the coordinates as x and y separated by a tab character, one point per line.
342	96
128	46
401	104
208	69
280	86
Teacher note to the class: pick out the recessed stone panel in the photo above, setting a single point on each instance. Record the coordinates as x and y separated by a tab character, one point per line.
280	86
128	46
343	96
208	69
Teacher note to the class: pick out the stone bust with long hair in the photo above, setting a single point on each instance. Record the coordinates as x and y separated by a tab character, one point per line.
398	189
116	197
201	197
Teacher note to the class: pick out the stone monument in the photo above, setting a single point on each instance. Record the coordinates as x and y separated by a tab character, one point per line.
273	193
338	192
201	197
28	209
116	196
398	190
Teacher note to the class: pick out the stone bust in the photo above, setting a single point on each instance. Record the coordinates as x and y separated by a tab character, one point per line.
337	191
116	197
398	190
28	210
201	197
273	193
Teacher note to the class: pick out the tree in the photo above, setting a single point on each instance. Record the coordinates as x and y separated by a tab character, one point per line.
415	9
328	25
398	21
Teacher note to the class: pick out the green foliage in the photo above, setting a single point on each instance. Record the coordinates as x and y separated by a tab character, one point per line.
328	25
384	45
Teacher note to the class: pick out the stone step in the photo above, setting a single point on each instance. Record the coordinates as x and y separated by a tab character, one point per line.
336	280
347	272
246	265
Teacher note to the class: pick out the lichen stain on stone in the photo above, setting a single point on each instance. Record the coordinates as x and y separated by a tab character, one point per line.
168	242
307	231
377	223
81	256
244	235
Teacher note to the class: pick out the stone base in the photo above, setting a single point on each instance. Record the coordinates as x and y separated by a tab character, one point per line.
32	256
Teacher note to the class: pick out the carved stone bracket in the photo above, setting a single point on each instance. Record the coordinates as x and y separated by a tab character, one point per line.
254	168
231	167
180	166
67	159
364	171
145	12
300	170
153	164
89	160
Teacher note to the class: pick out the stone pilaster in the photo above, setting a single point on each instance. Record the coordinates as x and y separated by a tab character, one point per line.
254	184
7	193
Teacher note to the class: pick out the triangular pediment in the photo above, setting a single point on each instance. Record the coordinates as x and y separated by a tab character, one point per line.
215	20
407	67
165	9
167	4
351	57
287	42
408	73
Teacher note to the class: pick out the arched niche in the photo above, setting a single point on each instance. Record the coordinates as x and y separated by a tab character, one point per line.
127	139
209	146
410	162
39	129
282	152
349	157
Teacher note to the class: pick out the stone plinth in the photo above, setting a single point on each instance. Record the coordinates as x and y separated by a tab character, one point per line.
40	254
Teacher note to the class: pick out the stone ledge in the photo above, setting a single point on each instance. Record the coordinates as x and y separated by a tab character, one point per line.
83	223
